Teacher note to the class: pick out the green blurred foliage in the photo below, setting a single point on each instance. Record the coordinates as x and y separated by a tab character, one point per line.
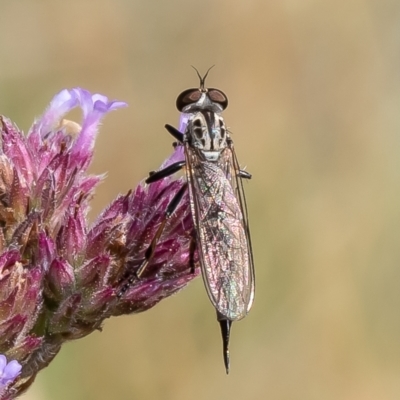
314	90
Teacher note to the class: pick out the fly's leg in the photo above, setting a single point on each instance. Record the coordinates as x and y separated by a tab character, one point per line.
225	325
153	177
240	173
192	249
174	132
148	255
244	174
168	213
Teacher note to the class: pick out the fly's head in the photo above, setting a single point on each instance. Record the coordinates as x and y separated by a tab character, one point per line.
207	99
206	132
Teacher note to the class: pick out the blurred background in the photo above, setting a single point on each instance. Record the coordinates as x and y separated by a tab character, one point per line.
314	91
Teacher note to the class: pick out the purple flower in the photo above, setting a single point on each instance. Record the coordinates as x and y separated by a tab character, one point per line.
59	277
8	371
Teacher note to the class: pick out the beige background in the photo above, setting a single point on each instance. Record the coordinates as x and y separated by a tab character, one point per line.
314	90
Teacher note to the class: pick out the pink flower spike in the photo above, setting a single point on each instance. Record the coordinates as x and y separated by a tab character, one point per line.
60	276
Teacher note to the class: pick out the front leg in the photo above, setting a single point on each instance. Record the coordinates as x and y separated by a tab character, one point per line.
174	132
167	171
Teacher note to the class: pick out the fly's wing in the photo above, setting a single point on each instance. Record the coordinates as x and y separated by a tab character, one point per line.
237	182
222	233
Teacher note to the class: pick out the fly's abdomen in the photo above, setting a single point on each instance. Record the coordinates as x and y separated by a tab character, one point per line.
223	247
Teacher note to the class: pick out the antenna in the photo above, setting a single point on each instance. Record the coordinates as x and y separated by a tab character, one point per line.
202	79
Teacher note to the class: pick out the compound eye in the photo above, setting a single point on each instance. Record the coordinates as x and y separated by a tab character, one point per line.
216	96
187	97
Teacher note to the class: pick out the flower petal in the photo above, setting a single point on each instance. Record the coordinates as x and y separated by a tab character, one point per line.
61	103
94	108
3	363
12	370
183	121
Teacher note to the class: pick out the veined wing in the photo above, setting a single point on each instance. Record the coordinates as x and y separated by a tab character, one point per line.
222	233
237	183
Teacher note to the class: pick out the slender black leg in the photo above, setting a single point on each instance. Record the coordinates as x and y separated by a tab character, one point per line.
244	174
225	325
241	173
192	249
168	213
174	132
167	171
151	249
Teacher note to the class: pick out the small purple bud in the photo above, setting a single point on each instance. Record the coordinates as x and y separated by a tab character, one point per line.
18	197
26	231
6	178
26	347
60	279
93	273
8	259
14	147
11	328
63	319
46	251
99	301
72	239
27	295
8	304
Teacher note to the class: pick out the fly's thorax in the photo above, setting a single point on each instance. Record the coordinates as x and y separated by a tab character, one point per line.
206	133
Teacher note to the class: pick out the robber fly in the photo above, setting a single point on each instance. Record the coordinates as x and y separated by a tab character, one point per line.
218	206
